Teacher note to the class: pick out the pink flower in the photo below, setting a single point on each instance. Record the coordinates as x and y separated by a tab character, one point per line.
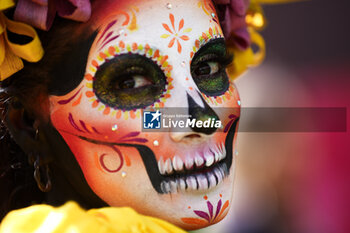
232	19
41	13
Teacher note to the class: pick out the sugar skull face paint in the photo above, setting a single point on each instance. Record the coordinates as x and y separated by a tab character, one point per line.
149	55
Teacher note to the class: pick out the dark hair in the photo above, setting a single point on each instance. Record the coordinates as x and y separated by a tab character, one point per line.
27	86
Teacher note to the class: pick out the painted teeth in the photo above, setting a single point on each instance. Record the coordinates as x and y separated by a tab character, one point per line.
195	182
161	166
212	179
168	167
177	164
202	182
189	163
209	159
191	182
199	161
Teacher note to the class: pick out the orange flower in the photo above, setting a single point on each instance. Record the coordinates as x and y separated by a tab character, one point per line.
177	35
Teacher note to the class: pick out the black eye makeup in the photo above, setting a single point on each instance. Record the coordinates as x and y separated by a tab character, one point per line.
208	67
129	81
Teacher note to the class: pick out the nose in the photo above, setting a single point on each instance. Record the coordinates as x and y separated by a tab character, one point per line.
188	137
203	114
196	134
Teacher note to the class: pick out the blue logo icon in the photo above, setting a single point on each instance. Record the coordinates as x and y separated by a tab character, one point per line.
151	120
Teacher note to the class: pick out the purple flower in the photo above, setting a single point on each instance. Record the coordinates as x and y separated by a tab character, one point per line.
232	19
41	13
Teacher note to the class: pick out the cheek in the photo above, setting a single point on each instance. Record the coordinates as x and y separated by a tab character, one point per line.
93	136
230	99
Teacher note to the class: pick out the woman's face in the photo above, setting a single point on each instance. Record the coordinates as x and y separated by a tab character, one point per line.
154	55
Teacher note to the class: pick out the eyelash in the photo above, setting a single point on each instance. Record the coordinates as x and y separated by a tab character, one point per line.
111	52
210	34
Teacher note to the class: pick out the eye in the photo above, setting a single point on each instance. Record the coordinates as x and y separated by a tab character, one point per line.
129	81
133	81
208	68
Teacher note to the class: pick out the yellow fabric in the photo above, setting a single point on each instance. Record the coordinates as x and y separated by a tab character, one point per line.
11	53
70	218
5	4
255	20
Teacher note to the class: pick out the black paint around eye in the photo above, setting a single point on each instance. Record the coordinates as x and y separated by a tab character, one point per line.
211	83
114	86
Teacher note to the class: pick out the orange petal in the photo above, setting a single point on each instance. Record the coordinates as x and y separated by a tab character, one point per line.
181	24
163	60
171	43
197	43
121	44
179	47
224	207
119	114
194	221
95	104
166	27
134	46
211	31
111	50
132	114
172	20
169	68
184	37
75	103
147	47
106	111
156	54
88	77
205	36
94	63
89	94
103	55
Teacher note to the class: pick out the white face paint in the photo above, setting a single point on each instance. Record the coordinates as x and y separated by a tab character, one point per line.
152	54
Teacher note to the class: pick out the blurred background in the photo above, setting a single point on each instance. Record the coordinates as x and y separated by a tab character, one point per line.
296	182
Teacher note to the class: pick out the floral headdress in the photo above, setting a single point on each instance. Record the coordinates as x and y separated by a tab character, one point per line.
240	20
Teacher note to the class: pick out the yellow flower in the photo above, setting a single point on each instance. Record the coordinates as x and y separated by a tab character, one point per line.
71	218
12	53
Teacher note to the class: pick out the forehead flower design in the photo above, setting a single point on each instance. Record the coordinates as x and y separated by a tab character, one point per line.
176	34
